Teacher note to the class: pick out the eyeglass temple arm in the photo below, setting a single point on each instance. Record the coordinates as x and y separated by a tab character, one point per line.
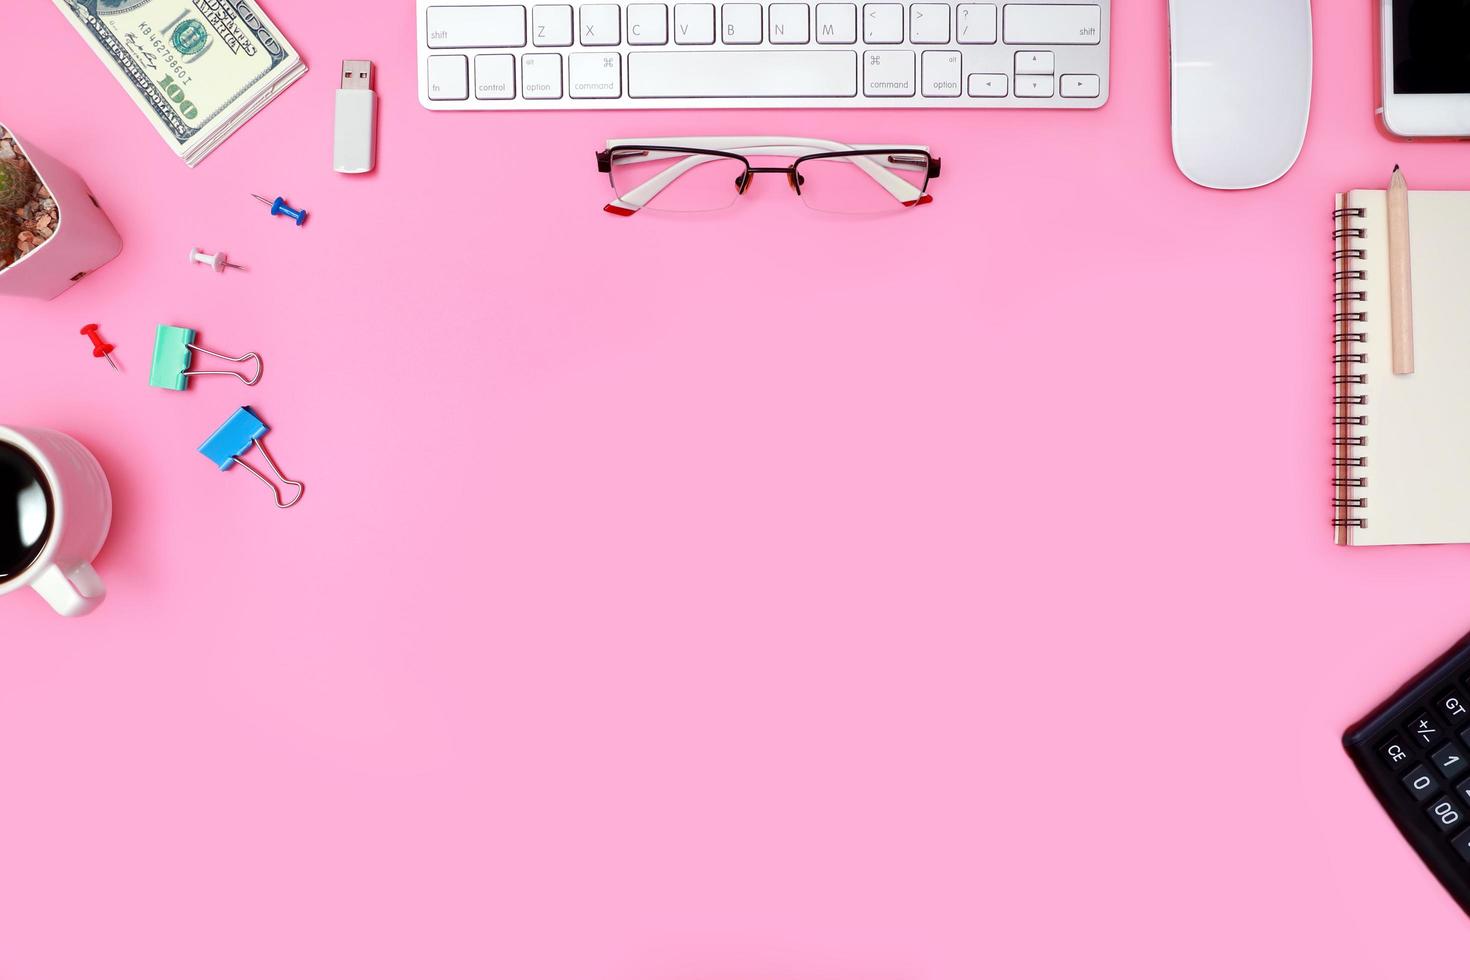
734	144
639	196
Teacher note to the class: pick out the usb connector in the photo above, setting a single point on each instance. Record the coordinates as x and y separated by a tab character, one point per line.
357	74
355	129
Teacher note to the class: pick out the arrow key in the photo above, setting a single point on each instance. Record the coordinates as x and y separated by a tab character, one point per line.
989	86
1036	63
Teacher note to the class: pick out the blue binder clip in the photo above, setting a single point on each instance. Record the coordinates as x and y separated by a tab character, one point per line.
242	430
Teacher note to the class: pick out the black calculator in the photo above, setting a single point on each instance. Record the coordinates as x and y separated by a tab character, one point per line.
1414	751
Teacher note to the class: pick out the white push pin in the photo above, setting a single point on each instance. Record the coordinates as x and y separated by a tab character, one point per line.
219	262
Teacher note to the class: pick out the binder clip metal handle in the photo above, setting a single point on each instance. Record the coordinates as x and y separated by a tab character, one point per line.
249	382
280	501
241	432
173	355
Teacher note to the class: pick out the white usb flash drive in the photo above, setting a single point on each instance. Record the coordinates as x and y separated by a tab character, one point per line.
356	128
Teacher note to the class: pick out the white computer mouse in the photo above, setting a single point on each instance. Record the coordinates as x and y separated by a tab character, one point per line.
1241	86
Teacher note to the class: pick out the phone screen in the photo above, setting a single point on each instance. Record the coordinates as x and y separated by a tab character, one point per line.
1431	47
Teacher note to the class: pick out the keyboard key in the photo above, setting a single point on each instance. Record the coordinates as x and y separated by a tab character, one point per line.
1449	760
694	23
551	26
929	23
1035	63
1464	788
1395	752
742	23
648	23
941	74
1420	783
449	77
1446	814
477	27
1035	86
882	23
595	76
836	23
989	86
1053	23
790	23
888	73
1425	730
1452	708
764	74
1081	86
976	23
1461	844
600	24
541	76
495	76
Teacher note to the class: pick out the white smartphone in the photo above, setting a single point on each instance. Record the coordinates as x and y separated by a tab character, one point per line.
1424	69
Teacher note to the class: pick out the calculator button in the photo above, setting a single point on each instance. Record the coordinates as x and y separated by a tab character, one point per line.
1461	844
1395	751
1446	814
1449	760
1425	730
1420	783
1452	706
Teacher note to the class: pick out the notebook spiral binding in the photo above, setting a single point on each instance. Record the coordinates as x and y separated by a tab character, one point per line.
1348	337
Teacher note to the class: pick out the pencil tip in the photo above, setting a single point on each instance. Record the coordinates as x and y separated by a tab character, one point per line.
1395	168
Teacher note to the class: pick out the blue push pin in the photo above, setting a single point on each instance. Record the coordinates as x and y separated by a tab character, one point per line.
241	432
279	206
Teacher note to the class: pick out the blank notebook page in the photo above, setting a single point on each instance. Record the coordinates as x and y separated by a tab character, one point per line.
1417	426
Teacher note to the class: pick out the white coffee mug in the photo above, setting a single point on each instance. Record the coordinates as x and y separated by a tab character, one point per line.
80	513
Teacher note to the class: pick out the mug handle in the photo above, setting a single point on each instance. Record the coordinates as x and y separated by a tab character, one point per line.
74	594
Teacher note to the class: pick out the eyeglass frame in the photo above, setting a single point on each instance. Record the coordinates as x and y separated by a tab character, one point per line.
773	146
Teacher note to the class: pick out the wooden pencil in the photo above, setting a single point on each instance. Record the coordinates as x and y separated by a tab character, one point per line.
1400	286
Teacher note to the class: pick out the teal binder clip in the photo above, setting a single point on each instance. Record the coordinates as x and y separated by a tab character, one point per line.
173	355
240	432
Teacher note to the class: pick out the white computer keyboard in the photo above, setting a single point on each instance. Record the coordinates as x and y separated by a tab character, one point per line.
1022	54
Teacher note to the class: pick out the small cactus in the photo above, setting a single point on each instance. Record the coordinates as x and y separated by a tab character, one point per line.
15	184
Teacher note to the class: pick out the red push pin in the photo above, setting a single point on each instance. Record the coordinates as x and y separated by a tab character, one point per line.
99	349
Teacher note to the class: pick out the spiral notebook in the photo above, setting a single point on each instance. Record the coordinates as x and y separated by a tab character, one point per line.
1401	469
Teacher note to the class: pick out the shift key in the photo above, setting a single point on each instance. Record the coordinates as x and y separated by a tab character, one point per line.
502	26
1053	23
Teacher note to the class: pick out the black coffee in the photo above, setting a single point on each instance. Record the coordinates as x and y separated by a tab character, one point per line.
25	511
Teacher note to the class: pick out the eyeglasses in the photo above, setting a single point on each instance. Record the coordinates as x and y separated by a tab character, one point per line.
709	173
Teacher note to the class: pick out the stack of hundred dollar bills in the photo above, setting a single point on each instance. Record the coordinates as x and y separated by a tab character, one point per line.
199	69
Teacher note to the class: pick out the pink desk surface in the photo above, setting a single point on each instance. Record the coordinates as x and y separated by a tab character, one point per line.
754	597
